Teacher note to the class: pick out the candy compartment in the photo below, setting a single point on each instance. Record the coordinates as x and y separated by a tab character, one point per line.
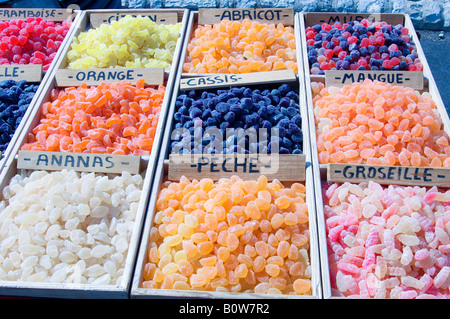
227	230
69	234
371	244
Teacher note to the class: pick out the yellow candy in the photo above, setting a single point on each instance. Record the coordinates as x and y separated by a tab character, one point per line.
129	42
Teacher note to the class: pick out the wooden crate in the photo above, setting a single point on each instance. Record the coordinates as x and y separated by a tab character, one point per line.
147	169
74	290
217	15
46	76
137	292
320	170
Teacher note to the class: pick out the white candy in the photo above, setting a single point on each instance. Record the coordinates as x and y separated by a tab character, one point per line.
409	240
59	227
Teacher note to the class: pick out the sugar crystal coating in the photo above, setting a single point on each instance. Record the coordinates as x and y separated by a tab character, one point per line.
115	118
360	45
15	97
44	237
241	47
378	123
132	42
227	250
31	41
219	118
399	251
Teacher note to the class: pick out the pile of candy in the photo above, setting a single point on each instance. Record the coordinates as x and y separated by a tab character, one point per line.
33	40
240	108
116	118
67	227
388	242
241	47
360	46
15	97
230	236
130	42
380	124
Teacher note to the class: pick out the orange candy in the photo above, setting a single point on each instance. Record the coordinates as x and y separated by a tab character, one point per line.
241	47
379	124
266	253
116	118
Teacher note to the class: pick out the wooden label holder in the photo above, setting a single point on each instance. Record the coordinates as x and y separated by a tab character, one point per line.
383	174
97	19
339	78
82	162
224	80
18	72
284	167
46	14
75	77
313	18
263	15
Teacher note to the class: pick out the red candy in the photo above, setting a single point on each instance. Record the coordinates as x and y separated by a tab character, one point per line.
32	41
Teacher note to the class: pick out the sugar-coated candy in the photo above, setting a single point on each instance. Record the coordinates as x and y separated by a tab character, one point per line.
245	110
48	233
241	47
115	118
205	238
32	40
378	123
15	97
132	42
399	252
360	45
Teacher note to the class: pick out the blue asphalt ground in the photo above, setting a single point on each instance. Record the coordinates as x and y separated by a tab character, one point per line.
437	54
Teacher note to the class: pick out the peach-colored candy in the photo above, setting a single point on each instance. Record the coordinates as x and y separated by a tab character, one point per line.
380	124
237	251
114	118
241	47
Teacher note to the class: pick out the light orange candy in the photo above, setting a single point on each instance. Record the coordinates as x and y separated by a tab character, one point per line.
115	118
380	124
263	254
241	47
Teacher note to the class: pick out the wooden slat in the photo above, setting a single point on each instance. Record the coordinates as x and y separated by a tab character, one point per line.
226	80
313	18
82	162
18	72
284	167
264	15
75	77
159	17
404	78
383	174
46	14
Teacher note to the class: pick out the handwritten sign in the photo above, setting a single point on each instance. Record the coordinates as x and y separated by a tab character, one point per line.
313	18
284	167
46	14
97	19
223	80
82	162
412	79
399	175
70	77
18	72
265	15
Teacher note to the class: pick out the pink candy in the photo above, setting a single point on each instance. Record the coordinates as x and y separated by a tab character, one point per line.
388	242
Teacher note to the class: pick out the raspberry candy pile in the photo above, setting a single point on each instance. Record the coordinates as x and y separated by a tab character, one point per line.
31	41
